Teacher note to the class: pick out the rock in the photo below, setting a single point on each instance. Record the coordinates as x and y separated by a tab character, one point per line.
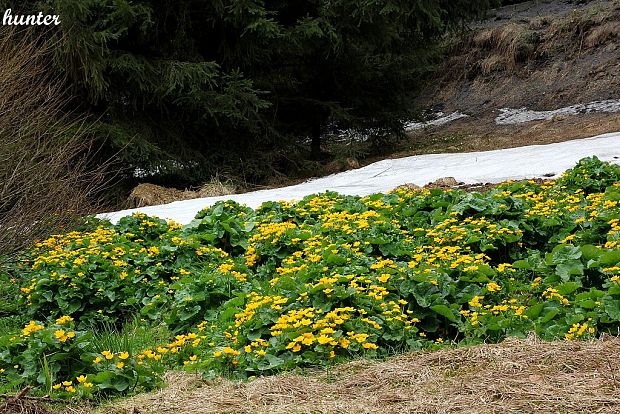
445	182
332	167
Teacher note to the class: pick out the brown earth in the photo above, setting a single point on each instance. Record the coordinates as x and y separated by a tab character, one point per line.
516	376
541	55
532	60
482	134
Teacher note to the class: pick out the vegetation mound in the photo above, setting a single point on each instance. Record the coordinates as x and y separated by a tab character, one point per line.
245	292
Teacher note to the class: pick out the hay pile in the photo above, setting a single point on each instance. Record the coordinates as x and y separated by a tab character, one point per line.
147	194
516	376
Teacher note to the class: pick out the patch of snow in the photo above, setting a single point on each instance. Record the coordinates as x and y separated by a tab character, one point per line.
178	165
535	161
510	116
439	119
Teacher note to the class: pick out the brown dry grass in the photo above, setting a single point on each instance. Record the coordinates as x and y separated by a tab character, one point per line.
147	194
603	33
517	376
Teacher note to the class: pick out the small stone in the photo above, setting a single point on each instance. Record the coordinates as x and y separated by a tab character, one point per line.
445	182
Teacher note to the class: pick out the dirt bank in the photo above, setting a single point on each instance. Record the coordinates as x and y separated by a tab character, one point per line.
541	62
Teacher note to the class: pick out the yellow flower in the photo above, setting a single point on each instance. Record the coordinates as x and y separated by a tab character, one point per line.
97	360
82	379
383	278
324	339
63	319
67	383
124	355
56	386
475	302
70	388
60	335
229	351
120	365
31	327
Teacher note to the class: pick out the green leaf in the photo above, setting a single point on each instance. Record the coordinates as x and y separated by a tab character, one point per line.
590	252
270	362
550	314
568	269
533	311
568	287
610	258
564	253
612	307
445	311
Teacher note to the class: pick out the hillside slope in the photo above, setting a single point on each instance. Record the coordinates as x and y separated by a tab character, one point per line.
540	62
540	55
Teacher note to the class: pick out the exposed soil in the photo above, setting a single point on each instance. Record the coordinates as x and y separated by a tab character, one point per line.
517	376
541	62
482	134
542	55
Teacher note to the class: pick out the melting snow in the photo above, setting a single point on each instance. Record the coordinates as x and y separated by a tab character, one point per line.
440	119
509	116
535	161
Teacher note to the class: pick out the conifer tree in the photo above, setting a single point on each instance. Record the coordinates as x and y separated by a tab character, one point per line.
183	86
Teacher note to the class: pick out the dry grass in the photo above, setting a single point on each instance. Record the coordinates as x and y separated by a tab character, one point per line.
499	48
603	33
510	47
151	195
516	376
217	187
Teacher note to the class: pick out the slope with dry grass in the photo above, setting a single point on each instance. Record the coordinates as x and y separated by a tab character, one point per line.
539	61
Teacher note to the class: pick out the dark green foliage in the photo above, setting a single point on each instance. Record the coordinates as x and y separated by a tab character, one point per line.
184	87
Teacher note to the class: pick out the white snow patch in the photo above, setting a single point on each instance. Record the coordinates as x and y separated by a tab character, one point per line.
439	119
510	116
535	161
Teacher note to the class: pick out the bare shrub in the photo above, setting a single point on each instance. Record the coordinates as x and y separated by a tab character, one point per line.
46	179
